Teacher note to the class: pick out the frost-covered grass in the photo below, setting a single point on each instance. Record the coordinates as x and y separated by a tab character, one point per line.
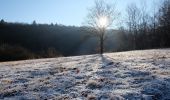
134	75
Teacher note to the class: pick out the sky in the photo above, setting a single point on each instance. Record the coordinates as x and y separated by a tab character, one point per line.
66	12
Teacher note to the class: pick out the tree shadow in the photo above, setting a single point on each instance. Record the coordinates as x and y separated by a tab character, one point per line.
106	61
150	85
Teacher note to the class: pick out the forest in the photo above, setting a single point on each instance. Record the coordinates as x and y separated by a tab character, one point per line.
139	30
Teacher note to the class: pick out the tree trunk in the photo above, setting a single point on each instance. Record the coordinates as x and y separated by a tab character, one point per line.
102	41
101	45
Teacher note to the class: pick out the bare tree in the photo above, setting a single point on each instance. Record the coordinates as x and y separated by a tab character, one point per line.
154	15
133	17
144	17
164	23
100	18
144	26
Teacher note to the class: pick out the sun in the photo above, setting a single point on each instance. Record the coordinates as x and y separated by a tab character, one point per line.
103	22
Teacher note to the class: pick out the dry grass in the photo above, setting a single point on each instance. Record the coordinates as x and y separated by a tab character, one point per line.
93	84
91	97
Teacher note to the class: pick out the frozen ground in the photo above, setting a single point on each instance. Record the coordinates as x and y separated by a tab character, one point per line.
134	75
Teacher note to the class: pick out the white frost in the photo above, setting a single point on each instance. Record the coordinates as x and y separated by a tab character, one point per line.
125	75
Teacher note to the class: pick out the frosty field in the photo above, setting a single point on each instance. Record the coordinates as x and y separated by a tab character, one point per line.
133	75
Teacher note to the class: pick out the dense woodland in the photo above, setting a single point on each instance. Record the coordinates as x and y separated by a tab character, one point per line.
139	30
38	40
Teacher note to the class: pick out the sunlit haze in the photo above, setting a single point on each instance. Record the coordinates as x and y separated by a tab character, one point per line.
103	22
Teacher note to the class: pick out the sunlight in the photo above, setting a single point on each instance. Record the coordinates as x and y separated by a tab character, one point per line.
103	22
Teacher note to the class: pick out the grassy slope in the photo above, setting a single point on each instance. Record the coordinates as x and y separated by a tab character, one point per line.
125	75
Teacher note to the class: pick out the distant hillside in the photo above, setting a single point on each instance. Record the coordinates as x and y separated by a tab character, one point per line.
43	40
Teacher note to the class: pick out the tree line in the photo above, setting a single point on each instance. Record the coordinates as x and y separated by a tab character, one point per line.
27	41
148	29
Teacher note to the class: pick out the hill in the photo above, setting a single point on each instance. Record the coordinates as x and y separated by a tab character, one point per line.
19	41
125	75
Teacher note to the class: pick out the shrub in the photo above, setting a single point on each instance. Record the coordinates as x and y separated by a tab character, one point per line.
9	52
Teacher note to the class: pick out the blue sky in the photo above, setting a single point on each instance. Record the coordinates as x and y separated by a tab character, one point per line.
67	12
